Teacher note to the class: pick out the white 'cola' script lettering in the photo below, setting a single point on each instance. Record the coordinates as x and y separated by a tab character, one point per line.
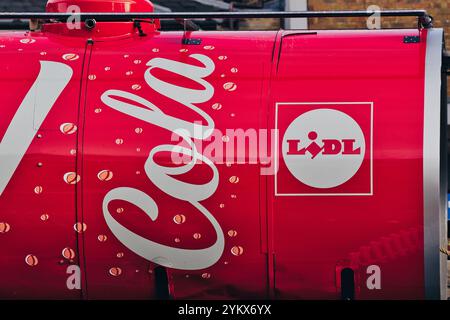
165	177
52	79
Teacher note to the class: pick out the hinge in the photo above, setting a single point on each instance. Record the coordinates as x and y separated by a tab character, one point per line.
193	42
411	39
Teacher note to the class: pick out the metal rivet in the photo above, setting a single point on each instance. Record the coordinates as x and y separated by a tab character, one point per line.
40	164
39	136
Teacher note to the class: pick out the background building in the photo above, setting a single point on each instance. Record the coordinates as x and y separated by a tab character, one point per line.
439	9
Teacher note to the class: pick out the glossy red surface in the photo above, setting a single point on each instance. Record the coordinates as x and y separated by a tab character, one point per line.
275	246
62	6
313	235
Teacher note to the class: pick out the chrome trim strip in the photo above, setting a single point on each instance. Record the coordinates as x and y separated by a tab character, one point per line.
434	208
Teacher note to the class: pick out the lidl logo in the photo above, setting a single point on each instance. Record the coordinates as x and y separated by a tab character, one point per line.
324	149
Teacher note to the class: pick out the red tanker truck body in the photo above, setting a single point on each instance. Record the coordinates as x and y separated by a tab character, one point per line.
228	165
